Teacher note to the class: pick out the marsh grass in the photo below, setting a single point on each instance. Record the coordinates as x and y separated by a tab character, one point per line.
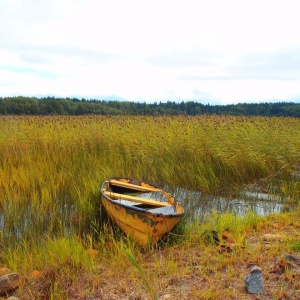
51	169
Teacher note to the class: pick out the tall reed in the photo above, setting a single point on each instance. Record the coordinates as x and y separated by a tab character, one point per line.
51	167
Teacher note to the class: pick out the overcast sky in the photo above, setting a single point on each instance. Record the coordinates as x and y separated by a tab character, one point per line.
210	51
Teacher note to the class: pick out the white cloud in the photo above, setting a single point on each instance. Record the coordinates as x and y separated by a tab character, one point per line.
211	51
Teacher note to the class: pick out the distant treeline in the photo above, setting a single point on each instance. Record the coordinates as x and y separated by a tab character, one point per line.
72	106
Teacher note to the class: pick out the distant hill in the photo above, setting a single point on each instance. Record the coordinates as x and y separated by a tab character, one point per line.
71	106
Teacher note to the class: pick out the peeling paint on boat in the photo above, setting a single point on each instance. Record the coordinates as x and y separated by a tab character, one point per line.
144	225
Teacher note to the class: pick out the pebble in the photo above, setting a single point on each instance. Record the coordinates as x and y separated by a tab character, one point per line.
254	281
9	282
272	237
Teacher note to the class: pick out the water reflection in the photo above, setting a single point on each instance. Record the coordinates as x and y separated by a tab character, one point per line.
199	205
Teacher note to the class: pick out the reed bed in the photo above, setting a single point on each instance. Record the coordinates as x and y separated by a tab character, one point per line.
51	169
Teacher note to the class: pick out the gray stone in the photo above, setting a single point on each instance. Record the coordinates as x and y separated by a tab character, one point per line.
254	281
292	259
9	282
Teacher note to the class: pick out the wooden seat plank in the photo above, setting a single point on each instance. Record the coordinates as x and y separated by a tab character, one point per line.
133	186
136	199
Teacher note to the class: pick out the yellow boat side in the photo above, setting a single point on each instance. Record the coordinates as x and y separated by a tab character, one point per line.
143	226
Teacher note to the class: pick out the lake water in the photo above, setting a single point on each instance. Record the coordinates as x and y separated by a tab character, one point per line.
198	204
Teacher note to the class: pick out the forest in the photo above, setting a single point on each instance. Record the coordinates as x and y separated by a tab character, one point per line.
21	105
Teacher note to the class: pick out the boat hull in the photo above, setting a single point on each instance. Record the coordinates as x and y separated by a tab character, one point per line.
143	226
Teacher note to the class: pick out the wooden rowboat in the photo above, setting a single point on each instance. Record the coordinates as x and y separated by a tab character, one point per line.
143	211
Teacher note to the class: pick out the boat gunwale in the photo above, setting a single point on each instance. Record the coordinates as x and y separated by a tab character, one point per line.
138	209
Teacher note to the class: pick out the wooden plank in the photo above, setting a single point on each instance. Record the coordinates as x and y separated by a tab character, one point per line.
136	199
133	186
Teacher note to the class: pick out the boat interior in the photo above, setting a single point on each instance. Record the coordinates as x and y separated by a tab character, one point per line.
137	194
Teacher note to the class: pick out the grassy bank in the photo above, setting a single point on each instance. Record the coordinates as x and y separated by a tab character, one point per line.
188	265
51	169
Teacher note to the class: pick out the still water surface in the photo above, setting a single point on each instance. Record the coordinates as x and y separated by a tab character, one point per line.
198	205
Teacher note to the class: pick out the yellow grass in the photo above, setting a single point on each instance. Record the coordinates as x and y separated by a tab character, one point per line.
51	169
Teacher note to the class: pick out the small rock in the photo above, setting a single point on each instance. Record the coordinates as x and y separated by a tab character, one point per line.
272	237
293	260
284	262
167	296
254	281
9	282
13	298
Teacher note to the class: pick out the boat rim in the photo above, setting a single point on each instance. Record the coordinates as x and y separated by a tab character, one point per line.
132	207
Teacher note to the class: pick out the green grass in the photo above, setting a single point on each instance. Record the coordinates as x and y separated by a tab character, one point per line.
296	246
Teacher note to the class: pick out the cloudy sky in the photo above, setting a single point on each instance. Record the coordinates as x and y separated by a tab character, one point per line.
211	51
